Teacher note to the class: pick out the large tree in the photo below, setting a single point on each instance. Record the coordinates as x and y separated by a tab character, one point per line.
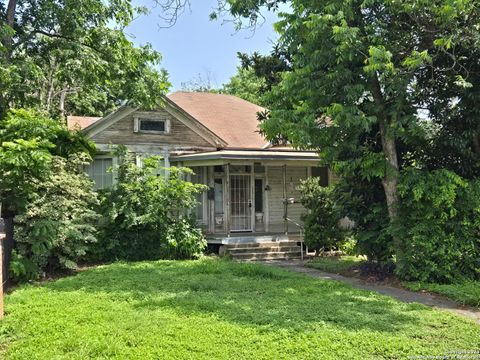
73	56
367	75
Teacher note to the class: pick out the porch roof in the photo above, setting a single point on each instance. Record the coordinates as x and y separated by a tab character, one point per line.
262	155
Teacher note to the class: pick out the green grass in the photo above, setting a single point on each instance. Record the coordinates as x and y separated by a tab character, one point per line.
467	293
336	264
214	309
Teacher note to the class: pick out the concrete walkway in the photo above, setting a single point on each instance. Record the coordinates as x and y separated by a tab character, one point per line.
397	293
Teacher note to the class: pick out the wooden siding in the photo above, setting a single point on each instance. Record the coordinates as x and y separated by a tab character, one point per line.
294	175
275	197
180	135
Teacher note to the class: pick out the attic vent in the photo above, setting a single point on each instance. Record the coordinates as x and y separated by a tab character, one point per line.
157	126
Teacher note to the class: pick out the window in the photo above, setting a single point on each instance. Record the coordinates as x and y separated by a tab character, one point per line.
240	169
152	125
322	173
258	195
146	125
162	163
99	172
198	178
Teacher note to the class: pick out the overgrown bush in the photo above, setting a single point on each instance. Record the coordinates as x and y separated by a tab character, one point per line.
440	222
364	203
146	215
42	185
322	230
58	224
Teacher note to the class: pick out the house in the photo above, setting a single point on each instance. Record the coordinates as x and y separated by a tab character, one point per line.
252	184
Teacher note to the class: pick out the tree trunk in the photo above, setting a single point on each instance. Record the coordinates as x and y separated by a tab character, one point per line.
390	182
9	20
12	4
7	43
61	104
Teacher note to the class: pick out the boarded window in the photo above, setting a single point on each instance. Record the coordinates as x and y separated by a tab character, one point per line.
99	172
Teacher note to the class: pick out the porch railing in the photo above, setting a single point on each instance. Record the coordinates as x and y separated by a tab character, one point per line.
301	228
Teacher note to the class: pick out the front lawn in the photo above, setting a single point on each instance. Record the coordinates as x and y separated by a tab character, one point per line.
337	264
466	293
216	309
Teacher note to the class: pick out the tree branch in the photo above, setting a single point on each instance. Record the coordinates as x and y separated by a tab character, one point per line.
58	36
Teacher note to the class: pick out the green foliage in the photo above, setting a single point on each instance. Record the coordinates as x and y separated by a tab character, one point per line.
44	186
28	142
440	219
187	309
362	78
246	85
466	292
337	264
146	215
322	230
74	57
364	203
58	224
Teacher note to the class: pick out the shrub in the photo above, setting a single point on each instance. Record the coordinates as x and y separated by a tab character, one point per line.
364	203
322	230
440	222
58	224
146	215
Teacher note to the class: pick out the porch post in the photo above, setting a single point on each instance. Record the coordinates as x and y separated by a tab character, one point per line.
285	205
227	197
266	215
210	203
252	196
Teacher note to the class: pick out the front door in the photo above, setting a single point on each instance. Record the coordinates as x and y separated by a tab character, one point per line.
240	203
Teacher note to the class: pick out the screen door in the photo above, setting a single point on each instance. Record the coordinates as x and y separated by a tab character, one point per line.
240	203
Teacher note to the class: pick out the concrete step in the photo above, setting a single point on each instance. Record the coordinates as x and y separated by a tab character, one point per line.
267	256
262	244
264	249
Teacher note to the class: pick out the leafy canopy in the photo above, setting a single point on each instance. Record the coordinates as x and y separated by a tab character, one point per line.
74	56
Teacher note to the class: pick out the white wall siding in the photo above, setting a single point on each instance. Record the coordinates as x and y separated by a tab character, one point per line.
294	175
275	197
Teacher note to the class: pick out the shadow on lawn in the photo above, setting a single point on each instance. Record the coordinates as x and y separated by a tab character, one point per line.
248	294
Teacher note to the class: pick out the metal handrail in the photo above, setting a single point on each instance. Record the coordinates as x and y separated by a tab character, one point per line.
302	228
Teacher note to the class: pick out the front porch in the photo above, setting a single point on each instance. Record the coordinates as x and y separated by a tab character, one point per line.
252	196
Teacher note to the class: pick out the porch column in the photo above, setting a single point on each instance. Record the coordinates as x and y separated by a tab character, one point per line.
210	202
266	215
227	197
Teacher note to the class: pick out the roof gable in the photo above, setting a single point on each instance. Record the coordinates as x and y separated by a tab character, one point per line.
121	113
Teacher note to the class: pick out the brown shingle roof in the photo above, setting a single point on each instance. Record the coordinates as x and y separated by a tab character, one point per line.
229	117
80	122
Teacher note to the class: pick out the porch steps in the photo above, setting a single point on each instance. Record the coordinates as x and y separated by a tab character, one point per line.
272	250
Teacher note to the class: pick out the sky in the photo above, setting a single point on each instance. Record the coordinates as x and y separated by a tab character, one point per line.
196	45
